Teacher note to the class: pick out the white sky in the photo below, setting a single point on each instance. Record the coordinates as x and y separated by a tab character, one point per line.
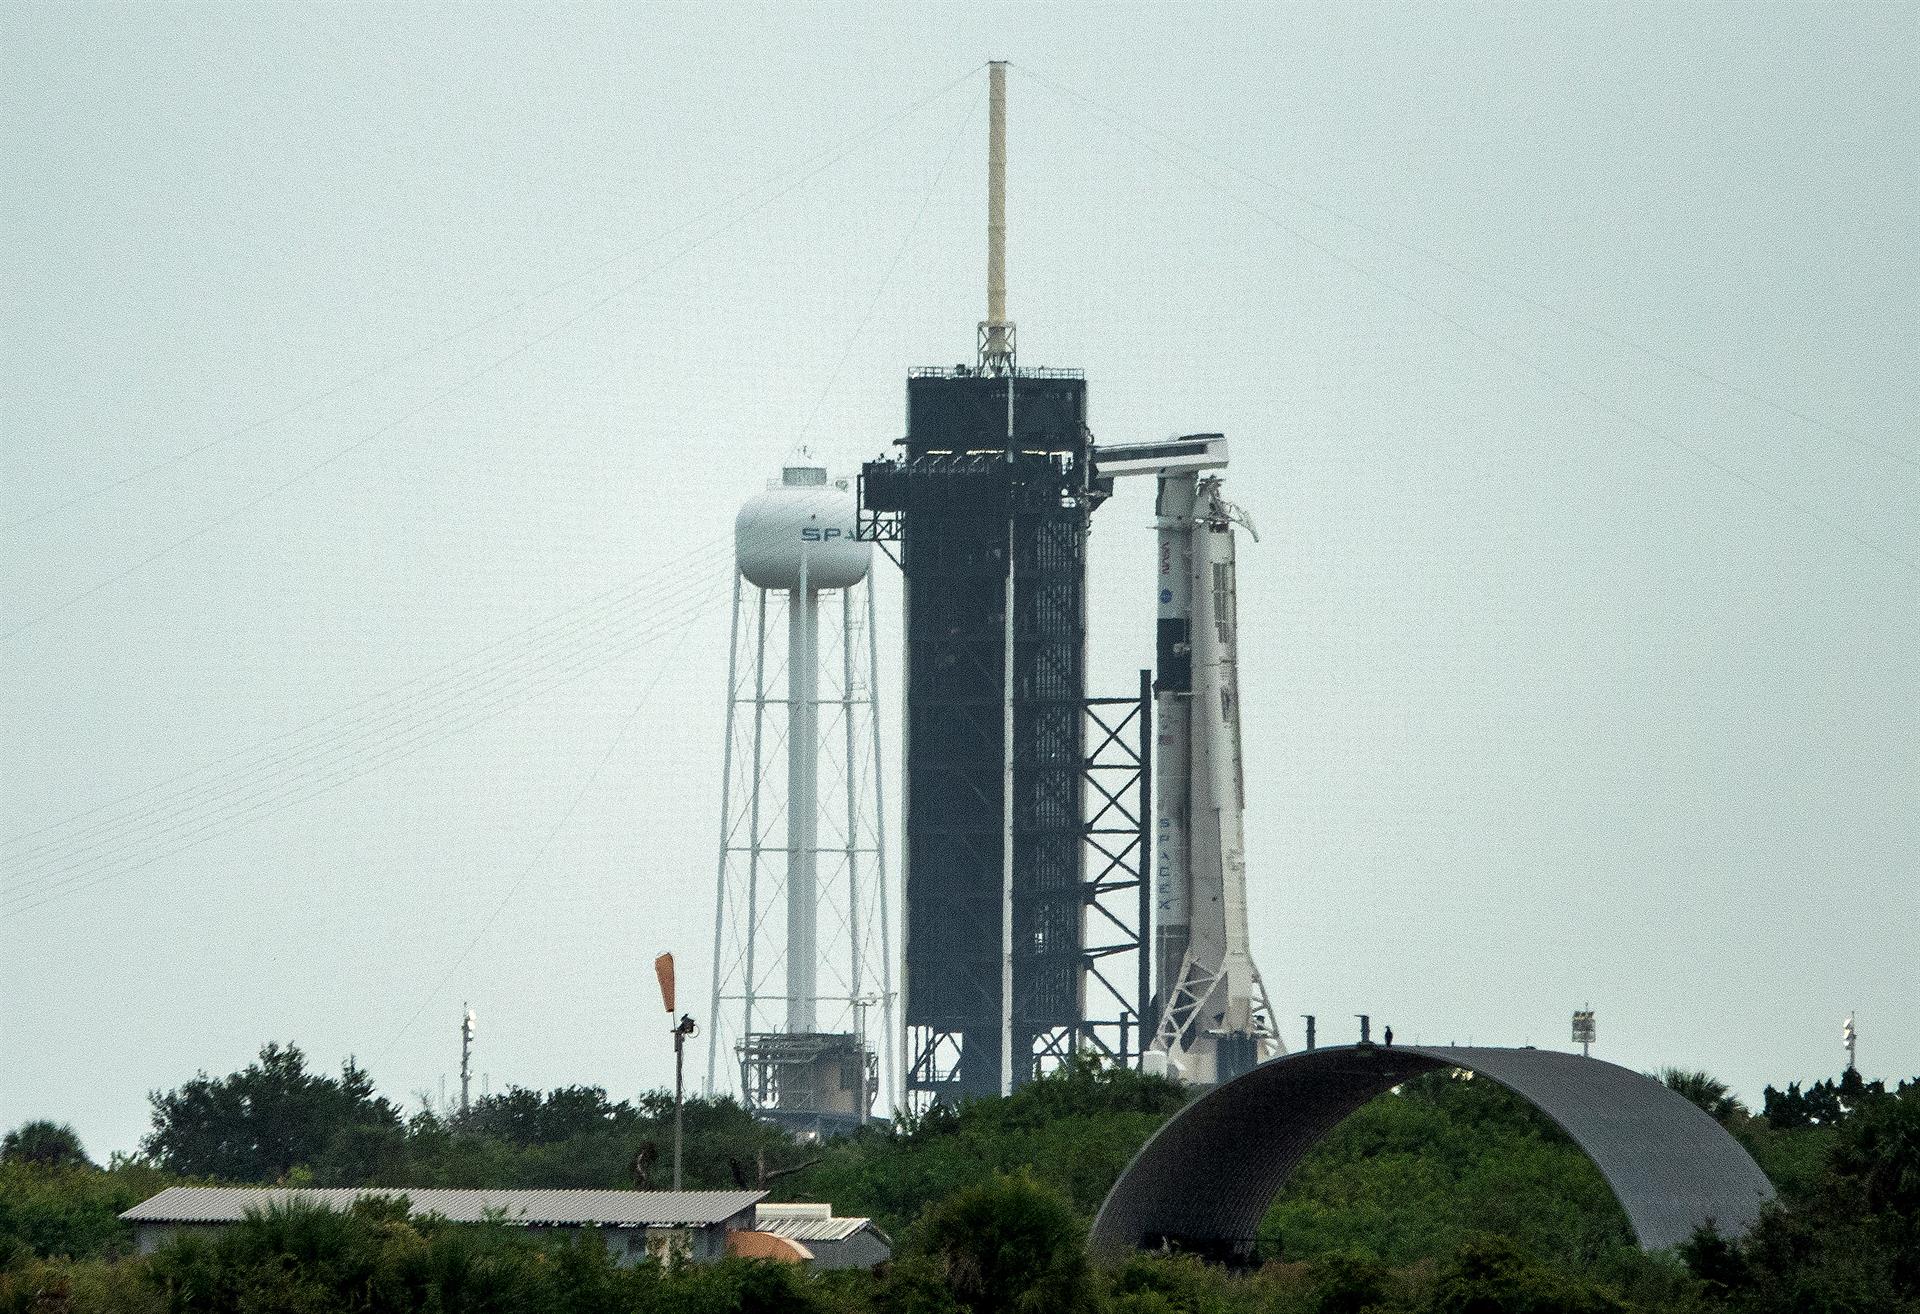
1570	675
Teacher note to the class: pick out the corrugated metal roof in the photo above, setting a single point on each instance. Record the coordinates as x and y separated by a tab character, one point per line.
809	1223
1209	1173
229	1204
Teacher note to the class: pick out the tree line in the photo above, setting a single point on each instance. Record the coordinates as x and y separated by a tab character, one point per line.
1448	1196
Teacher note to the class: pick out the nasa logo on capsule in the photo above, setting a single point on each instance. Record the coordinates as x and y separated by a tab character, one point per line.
1166	595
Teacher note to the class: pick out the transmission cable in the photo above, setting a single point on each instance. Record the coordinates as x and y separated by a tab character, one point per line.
364	743
1473	275
203	819
1594	399
418	691
837	153
195	831
414	689
545	843
460	385
887	276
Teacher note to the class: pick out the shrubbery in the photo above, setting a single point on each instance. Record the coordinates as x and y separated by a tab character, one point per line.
1450	1196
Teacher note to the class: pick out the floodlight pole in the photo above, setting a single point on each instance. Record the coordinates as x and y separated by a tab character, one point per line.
681	1031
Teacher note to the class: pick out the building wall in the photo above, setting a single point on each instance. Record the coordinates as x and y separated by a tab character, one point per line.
863	1249
626	1246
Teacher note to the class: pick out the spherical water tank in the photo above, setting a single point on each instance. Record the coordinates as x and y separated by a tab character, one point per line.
803	518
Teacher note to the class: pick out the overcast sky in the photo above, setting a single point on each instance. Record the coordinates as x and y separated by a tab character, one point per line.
1569	358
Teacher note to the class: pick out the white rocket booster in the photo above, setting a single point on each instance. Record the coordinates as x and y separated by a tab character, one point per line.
1215	1021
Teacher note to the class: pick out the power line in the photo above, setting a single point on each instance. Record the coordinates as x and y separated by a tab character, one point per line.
887	277
545	843
528	640
256	785
1598	402
207	818
194	831
1477	276
836	153
489	367
454	680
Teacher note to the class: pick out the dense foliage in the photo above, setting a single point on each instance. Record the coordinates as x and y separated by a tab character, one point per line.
1448	1196
1487	1159
258	1123
43	1144
1074	1132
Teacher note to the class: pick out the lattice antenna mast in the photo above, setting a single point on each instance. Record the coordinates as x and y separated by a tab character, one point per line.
466	1056
996	331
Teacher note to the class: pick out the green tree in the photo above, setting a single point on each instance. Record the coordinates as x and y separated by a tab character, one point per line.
71	1211
258	1123
1074	1129
1489	1276
1706	1092
1009	1246
1414	1174
43	1144
527	1118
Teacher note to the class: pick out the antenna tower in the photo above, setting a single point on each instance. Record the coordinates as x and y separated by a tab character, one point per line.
466	1056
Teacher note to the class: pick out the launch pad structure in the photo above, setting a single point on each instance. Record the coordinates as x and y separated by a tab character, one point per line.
989	508
1027	923
1073	864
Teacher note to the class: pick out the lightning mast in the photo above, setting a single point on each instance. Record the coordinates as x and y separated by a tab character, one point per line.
996	331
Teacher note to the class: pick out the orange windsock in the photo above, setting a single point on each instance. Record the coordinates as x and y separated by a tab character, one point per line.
663	968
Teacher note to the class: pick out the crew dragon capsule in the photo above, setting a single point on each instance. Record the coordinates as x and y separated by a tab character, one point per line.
1215	1021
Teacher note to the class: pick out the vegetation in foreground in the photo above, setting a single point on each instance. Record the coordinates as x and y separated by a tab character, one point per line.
1448	1196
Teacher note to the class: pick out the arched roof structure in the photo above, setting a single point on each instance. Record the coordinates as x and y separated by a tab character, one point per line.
1206	1178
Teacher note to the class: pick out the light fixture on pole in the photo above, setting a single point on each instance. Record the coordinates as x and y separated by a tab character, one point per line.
1584	1032
663	970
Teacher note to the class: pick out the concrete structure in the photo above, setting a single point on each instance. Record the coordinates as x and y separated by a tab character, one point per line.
636	1225
830	1242
1206	1178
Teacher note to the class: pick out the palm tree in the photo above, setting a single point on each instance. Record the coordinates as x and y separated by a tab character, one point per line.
1706	1091
43	1144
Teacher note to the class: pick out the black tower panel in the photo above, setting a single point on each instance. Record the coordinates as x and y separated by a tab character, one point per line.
961	504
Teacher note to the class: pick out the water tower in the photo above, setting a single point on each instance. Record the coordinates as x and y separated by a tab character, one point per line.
802	948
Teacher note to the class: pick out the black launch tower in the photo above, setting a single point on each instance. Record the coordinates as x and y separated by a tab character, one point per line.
987	478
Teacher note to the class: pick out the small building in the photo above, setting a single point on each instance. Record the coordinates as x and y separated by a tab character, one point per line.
832	1242
635	1225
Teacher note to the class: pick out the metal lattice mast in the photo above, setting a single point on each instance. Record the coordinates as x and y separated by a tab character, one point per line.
801	922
